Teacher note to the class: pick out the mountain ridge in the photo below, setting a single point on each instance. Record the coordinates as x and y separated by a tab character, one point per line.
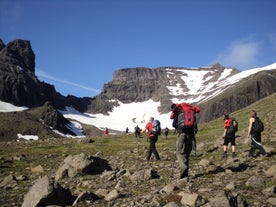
215	89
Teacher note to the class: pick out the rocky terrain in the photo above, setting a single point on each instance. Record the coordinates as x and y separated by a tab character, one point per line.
112	171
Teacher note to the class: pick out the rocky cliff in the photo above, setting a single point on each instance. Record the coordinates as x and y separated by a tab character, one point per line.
202	86
19	84
169	84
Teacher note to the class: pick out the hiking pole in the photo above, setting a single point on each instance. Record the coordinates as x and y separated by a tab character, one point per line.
138	143
174	157
198	168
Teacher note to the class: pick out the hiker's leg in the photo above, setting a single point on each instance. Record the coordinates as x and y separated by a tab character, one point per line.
150	148
183	150
252	148
233	144
260	147
225	146
154	150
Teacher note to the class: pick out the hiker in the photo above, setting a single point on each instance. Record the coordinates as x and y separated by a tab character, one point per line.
185	133
228	136
152	139
166	132
106	131
255	135
137	131
127	130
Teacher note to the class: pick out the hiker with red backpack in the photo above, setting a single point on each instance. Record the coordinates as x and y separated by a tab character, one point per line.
153	132
230	128
183	116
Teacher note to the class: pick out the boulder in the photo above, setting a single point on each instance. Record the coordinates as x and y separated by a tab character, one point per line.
46	192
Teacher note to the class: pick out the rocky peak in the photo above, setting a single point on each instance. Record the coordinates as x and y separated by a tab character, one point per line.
2	45
18	52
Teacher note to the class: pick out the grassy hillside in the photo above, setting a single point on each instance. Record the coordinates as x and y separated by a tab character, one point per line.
18	158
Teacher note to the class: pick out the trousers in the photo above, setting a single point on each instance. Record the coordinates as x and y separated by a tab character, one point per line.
183	151
152	147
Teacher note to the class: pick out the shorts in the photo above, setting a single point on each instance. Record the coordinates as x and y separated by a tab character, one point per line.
232	140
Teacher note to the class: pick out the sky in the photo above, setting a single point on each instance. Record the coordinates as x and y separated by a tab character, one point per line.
80	43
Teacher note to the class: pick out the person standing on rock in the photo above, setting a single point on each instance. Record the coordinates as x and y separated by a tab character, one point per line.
152	139
183	116
255	129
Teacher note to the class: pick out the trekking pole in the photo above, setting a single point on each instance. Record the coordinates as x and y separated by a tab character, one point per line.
198	168
138	143
174	157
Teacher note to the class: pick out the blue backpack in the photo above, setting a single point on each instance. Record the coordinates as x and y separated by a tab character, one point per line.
156	127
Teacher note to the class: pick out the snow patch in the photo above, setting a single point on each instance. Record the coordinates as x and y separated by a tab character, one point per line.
27	137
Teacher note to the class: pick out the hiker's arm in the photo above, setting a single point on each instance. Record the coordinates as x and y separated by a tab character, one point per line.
172	115
225	130
196	109
251	120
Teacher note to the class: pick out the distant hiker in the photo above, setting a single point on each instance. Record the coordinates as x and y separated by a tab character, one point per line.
106	131
153	137
137	131
230	128
166	132
255	129
127	130
183	120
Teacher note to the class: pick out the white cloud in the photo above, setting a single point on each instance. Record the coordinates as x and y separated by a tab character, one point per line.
241	54
42	74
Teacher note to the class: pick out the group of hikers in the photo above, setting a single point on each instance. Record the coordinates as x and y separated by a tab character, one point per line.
184	121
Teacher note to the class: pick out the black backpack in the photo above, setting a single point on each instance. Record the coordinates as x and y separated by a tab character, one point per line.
258	125
233	127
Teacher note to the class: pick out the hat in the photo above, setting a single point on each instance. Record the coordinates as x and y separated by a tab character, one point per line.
173	106
226	116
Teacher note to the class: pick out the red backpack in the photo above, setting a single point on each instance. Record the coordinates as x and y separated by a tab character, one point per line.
185	117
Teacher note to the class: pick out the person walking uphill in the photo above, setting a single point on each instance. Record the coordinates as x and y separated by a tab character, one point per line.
183	116
153	137
230	128
255	129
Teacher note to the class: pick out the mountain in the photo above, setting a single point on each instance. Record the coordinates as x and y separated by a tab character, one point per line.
19	84
134	94
215	89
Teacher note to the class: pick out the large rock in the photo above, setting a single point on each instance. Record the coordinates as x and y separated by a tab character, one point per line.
79	164
45	193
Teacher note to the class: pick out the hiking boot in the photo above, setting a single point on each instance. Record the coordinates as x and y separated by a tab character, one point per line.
265	155
224	155
184	175
233	154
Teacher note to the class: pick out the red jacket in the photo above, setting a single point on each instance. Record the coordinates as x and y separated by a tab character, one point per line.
184	107
149	128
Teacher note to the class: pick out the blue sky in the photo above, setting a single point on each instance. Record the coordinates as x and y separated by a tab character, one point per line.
80	43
